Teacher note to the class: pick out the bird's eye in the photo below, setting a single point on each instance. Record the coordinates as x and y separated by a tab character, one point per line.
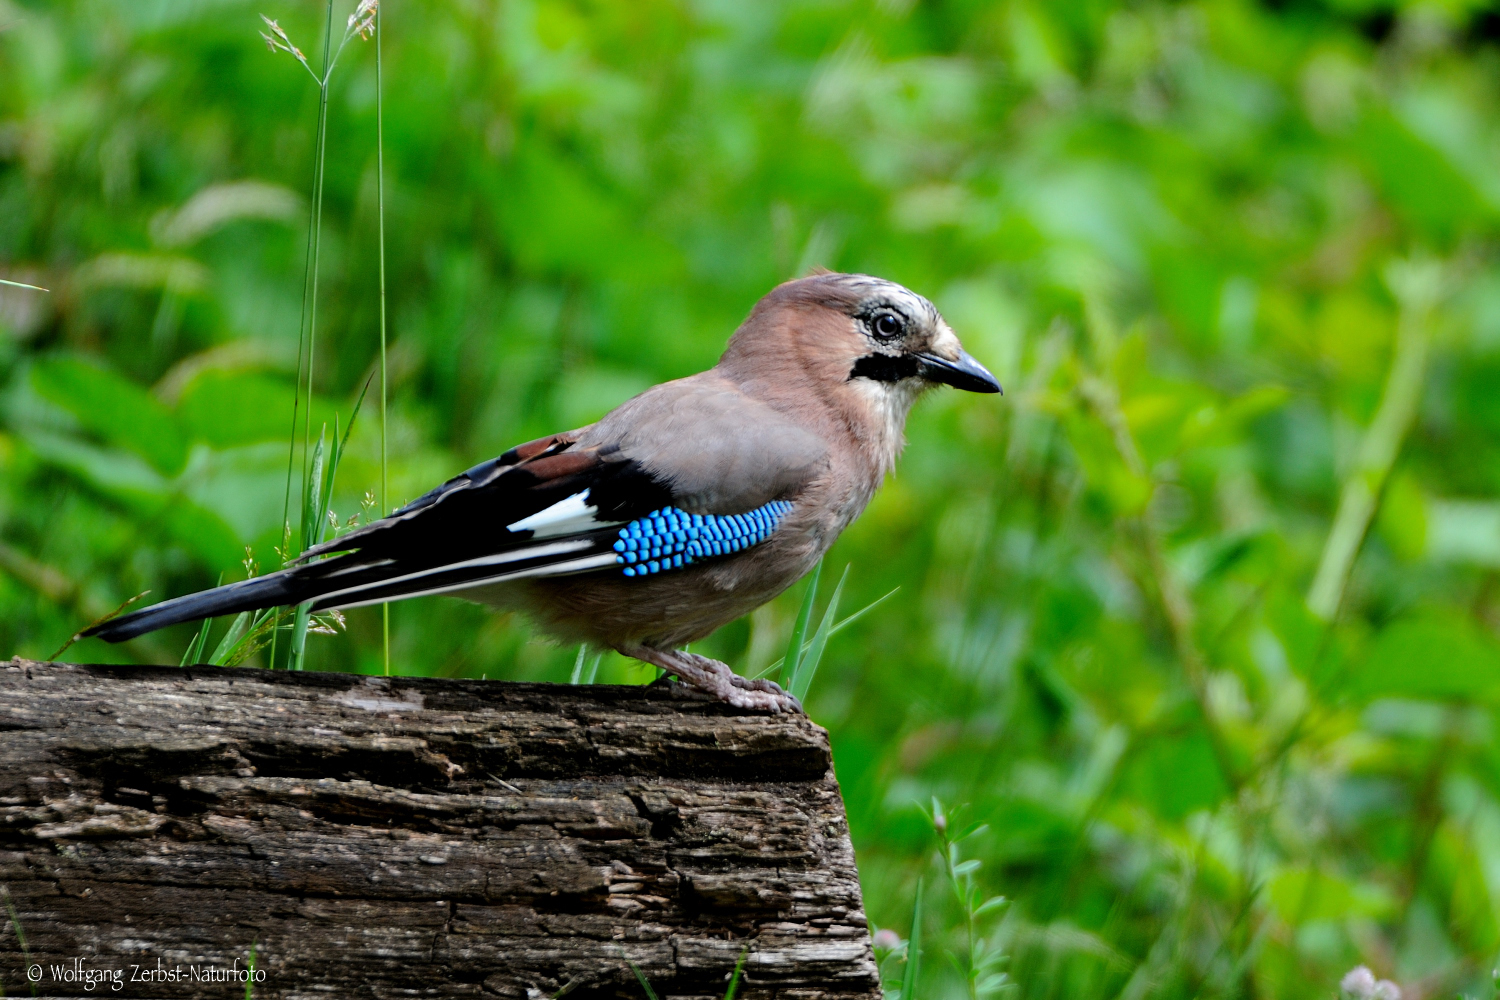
887	326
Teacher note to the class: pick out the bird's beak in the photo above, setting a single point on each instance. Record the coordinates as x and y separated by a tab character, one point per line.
965	373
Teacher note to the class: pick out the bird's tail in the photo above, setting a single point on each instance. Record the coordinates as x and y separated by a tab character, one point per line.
247	595
354	580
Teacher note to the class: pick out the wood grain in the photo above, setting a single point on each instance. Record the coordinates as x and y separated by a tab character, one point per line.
410	837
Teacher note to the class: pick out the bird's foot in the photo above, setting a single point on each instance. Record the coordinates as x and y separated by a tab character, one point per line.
717	679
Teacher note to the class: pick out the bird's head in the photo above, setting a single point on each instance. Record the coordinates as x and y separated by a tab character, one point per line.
881	338
857	348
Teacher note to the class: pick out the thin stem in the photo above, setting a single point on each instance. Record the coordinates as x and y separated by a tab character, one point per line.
385	609
1417	286
1175	602
312	314
309	286
328	71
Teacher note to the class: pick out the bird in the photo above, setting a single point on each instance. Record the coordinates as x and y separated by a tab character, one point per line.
683	509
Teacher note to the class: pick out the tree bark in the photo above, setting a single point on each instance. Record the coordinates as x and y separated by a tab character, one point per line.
400	837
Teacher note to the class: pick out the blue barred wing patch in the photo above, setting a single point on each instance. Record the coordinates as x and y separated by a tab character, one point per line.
669	538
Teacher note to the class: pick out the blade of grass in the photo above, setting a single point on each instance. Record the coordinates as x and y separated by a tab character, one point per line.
194	652
312	489
794	647
385	609
734	980
263	629
585	672
640	977
22	284
97	621
336	455
296	657
250	979
317	236
231	639
309	294
309	288
913	950
807	668
15	925
843	624
316	499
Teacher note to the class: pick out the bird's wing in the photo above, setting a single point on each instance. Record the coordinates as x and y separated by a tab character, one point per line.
571	503
717	450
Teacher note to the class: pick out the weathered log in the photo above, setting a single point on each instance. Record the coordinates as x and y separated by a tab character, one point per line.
399	837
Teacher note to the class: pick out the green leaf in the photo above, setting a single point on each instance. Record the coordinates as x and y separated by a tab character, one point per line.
991	905
1420	183
1438	655
991	983
1302	895
228	409
115	409
1176	776
157	503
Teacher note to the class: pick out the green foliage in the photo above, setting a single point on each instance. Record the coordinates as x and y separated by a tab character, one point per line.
20	933
115	409
1201	618
250	968
979	961
800	664
911	969
640	977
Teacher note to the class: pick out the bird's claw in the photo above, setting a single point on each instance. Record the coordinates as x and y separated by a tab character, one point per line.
764	695
716	679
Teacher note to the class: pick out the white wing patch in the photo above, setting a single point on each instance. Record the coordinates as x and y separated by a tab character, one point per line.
499	559
551	569
570	516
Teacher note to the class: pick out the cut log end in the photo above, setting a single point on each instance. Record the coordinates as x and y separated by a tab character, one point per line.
412	837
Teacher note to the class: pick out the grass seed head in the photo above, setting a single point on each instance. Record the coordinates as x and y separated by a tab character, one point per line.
278	39
362	21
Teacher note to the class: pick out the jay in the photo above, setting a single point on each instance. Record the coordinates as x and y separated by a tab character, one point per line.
679	511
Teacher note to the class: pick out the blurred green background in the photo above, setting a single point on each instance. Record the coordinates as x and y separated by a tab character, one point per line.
1202	617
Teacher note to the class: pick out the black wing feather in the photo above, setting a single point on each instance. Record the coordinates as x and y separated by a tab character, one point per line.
452	537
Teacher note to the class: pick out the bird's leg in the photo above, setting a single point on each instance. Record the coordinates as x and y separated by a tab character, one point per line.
717	679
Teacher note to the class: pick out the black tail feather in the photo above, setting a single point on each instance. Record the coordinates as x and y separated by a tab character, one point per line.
351	581
246	595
